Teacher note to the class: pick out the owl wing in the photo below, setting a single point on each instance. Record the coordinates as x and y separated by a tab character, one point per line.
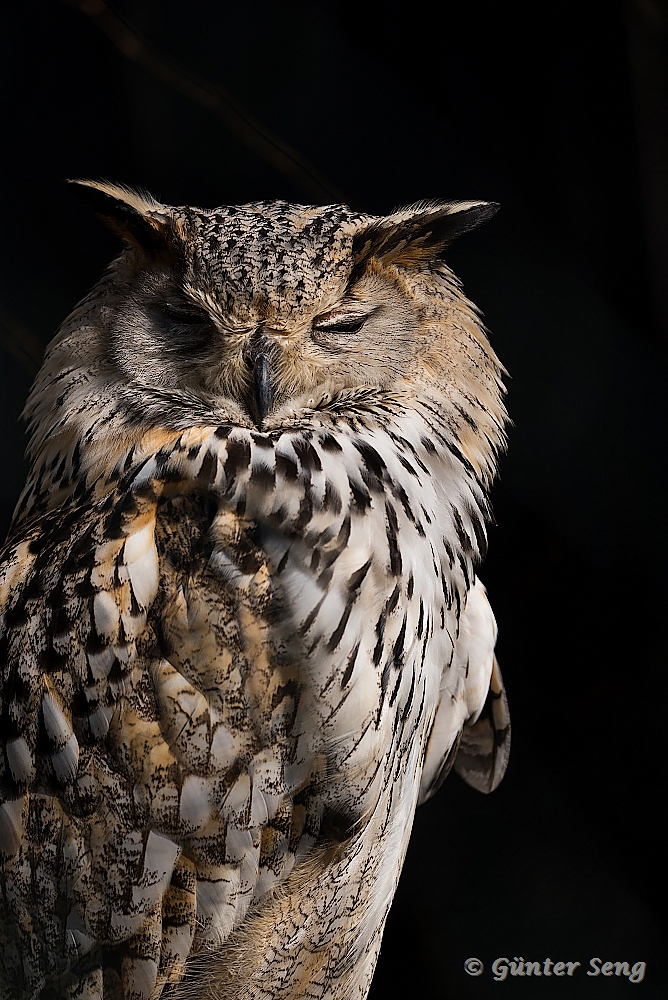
149	782
471	729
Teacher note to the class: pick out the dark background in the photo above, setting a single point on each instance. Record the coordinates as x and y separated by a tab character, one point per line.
559	112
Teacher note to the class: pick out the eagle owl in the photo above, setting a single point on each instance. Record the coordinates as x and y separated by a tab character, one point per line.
242	635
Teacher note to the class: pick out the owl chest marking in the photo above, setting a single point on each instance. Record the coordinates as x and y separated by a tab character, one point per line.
369	597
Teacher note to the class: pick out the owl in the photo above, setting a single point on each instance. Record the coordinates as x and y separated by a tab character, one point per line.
242	633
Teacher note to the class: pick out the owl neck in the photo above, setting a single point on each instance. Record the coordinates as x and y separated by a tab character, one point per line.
86	450
90	427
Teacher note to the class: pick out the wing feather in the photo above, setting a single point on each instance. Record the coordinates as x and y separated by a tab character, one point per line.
484	746
471	729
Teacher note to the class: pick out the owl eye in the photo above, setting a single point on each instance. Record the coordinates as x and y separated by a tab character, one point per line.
336	322
184	314
182	325
184	319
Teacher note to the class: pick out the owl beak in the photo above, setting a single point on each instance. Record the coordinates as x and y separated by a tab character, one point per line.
259	360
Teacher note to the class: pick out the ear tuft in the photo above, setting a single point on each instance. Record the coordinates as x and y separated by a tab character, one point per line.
135	216
418	234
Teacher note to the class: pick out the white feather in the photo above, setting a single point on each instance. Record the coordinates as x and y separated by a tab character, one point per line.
101	663
143	574
13	815
195	804
66	761
20	760
105	614
217	890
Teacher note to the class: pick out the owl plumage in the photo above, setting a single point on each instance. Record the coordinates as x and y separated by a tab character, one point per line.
242	634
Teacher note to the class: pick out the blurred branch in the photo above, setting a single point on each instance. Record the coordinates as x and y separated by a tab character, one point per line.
18	341
252	133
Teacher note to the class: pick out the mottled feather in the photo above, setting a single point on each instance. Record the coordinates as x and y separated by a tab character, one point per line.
242	634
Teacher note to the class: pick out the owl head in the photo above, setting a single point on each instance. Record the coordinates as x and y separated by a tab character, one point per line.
263	315
272	305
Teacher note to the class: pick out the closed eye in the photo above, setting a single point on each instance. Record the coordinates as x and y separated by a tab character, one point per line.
344	323
182	325
184	314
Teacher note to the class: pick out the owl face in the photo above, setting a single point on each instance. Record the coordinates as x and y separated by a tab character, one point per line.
274	306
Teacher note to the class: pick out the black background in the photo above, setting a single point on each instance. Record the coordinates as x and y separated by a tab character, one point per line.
558	111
